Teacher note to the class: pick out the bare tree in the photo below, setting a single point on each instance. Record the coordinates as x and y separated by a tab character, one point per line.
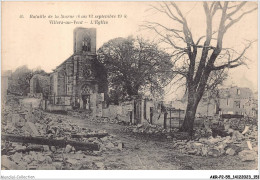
196	60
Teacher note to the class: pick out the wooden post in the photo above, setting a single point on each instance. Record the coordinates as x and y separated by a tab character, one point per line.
142	110
45	104
170	119
179	118
135	111
151	115
131	116
165	118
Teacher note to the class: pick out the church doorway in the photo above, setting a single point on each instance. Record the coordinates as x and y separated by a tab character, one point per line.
86	92
86	101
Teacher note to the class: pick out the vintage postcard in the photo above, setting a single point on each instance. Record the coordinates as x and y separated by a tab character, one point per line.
165	85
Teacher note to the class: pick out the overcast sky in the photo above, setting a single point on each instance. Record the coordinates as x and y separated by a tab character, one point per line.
37	43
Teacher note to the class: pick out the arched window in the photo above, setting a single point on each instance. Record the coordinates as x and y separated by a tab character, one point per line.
86	90
86	44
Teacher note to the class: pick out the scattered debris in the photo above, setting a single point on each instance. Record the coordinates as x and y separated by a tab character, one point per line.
33	139
247	155
237	143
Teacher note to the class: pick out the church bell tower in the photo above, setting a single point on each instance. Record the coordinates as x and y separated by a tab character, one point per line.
84	40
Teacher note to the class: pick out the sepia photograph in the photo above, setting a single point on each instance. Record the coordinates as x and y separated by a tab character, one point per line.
167	85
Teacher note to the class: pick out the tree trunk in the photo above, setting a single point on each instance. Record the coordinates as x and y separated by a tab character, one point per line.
194	98
188	123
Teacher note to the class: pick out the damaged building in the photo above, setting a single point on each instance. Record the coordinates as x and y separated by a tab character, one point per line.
80	82
238	100
233	100
39	86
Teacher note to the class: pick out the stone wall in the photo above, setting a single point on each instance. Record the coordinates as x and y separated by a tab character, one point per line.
51	108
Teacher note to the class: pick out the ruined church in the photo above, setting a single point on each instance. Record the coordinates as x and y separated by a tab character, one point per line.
80	82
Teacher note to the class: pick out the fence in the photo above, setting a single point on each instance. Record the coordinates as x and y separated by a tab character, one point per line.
174	117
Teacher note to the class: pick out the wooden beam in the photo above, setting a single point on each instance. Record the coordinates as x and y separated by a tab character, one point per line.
51	142
98	135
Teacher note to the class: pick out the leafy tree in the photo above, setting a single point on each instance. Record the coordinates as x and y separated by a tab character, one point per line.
20	82
196	59
135	66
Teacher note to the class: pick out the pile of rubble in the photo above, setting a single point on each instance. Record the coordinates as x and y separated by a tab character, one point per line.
201	132
33	139
145	129
239	124
97	120
105	120
244	144
208	140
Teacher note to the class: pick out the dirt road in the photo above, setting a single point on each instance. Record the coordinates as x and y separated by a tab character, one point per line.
148	153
